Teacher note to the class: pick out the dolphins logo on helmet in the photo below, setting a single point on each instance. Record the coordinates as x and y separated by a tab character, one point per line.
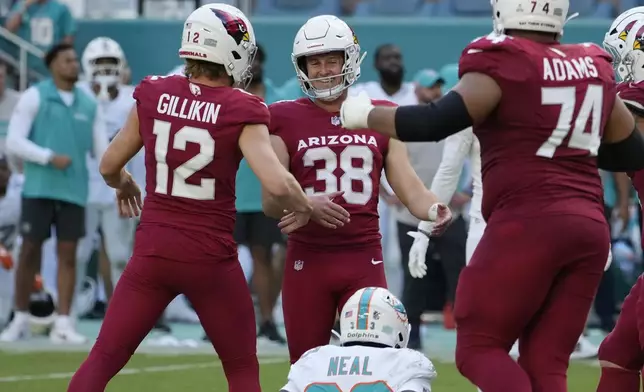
401	312
235	26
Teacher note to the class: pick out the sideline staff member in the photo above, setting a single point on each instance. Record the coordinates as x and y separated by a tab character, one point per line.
54	127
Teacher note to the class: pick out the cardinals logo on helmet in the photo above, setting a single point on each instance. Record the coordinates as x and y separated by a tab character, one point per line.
626	30
355	37
638	43
234	25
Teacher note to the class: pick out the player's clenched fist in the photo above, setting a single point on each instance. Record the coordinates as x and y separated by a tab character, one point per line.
355	111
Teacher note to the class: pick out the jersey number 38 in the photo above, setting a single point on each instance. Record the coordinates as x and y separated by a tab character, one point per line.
378	386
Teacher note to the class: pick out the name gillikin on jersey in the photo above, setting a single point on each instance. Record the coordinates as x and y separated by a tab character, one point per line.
335	140
560	70
188	109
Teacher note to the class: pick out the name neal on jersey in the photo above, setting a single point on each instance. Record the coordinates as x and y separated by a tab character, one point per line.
334	140
188	109
560	70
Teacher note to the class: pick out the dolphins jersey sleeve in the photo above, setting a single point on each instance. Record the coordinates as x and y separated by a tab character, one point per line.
360	369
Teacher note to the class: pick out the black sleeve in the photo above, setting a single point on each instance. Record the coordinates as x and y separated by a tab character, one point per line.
433	122
627	155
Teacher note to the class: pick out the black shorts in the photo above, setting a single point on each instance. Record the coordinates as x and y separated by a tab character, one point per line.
255	228
38	215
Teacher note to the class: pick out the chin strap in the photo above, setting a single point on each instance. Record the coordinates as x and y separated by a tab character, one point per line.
568	19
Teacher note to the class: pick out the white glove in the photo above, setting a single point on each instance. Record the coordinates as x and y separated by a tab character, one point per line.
610	258
355	111
418	251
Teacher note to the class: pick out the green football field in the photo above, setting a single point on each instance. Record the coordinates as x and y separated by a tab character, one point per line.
51	371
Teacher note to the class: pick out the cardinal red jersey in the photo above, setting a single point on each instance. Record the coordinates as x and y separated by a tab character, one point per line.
190	134
539	147
325	158
633	96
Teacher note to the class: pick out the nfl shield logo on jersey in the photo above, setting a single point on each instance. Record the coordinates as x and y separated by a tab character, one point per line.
299	264
335	120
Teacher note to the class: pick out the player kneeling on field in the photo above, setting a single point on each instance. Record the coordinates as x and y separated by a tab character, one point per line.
374	332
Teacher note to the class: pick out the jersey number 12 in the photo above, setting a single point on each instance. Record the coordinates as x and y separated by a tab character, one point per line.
590	110
185	135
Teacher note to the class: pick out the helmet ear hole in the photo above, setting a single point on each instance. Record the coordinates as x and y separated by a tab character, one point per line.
236	55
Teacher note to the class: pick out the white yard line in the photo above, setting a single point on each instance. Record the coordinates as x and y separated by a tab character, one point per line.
124	372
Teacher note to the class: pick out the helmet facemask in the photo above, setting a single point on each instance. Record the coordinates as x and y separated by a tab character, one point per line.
346	78
106	72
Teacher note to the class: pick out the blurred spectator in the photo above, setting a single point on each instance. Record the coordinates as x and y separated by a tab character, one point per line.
388	61
8	100
254	229
449	73
44	23
54	127
429	85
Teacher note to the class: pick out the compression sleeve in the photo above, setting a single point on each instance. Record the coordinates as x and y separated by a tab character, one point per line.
627	155
20	123
432	122
99	133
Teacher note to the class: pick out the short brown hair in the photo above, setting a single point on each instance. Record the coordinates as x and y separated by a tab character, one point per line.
197	68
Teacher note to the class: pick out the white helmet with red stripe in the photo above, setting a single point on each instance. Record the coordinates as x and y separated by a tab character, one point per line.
220	34
374	315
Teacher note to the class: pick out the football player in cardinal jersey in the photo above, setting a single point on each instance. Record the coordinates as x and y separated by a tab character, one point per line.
373	355
325	267
194	131
546	116
620	354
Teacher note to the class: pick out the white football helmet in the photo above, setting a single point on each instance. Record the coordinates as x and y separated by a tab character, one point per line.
220	34
622	42
547	16
103	61
324	34
374	315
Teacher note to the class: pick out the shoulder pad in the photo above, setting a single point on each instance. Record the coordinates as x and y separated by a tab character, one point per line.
632	93
492	42
283	104
246	97
594	50
144	84
413	364
501	57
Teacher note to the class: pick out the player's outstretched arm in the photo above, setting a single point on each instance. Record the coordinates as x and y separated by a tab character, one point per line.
271	204
255	144
410	189
325	211
123	147
469	103
622	147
